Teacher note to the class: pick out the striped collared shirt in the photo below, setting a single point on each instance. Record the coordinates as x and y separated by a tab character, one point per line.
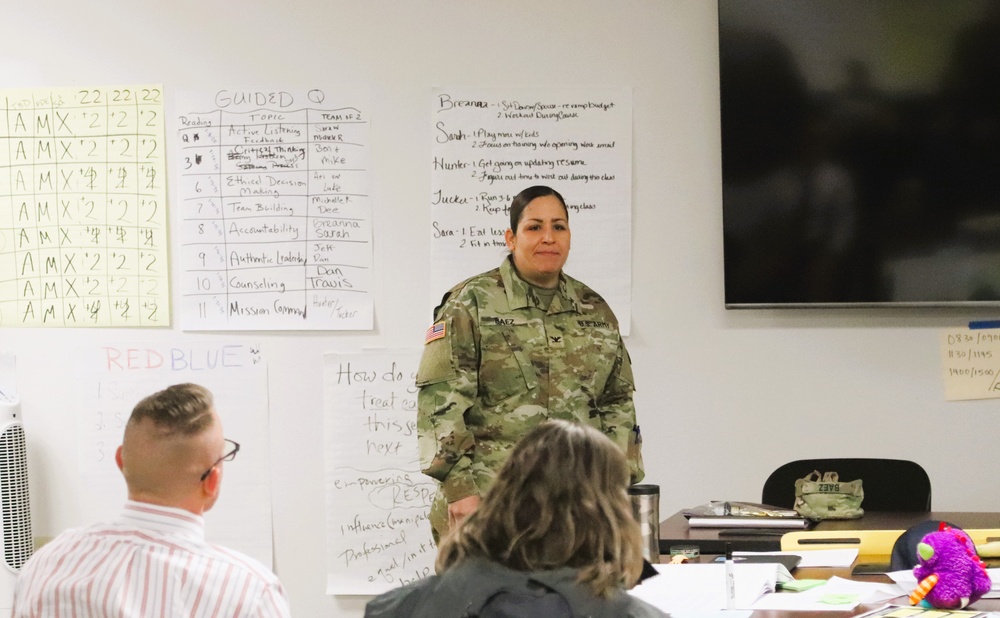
152	562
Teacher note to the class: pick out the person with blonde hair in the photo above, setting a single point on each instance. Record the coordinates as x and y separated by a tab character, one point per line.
554	536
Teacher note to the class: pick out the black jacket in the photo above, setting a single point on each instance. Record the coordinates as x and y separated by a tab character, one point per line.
482	588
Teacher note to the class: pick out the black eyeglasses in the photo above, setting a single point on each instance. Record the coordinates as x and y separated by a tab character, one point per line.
229	456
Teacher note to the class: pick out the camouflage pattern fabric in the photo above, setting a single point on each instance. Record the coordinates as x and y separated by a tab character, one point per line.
503	365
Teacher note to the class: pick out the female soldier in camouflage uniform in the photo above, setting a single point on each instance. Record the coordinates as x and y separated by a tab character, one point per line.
512	347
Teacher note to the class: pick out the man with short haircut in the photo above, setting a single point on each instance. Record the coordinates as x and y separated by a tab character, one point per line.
153	560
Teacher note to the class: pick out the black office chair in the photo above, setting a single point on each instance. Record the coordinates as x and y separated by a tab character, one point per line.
904	550
889	484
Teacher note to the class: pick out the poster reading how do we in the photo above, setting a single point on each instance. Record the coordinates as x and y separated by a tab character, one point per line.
377	500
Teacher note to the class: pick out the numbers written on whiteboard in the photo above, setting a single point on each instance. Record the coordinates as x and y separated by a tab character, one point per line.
108	420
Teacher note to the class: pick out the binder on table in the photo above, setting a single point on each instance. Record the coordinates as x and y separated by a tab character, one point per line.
744	515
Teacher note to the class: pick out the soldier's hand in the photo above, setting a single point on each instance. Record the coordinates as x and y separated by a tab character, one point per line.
462	508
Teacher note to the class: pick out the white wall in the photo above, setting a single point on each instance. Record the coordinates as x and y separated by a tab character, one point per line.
724	397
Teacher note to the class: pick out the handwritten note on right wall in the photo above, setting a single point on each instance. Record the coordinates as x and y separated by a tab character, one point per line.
970	363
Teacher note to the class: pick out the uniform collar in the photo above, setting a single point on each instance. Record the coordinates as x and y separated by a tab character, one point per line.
520	294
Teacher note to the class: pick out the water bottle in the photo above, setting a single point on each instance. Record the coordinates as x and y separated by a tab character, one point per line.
645	500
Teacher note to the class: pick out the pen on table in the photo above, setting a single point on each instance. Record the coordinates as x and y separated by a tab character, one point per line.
730	578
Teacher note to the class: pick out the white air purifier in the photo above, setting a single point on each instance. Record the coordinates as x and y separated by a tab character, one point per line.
15	509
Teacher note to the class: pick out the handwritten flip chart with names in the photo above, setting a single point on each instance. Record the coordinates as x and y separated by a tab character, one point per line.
970	363
83	208
276	229
490	144
377	500
118	376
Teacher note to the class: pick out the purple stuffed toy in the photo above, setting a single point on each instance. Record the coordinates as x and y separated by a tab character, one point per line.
950	573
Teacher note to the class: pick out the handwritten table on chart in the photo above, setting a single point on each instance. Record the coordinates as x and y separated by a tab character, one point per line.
83	208
276	230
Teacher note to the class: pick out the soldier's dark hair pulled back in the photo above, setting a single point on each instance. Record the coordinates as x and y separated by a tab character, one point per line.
522	199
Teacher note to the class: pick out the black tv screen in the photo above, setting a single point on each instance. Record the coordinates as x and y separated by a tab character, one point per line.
860	152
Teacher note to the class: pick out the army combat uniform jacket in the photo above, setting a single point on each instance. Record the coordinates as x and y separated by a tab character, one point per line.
495	364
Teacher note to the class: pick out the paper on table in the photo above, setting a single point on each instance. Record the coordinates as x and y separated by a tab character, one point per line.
814	557
907	581
814	599
721	613
910	611
904	579
702	587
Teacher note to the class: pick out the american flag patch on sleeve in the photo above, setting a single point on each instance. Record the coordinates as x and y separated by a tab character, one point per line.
434	332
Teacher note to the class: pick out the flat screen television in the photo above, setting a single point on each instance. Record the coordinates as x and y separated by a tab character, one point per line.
860	152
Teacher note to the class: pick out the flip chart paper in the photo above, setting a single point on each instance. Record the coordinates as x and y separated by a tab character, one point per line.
121	374
83	226
276	224
488	144
377	500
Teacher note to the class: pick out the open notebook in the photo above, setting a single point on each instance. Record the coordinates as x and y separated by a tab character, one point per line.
690	587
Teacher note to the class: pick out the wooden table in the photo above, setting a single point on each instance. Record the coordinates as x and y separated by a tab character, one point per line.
675	530
983	605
